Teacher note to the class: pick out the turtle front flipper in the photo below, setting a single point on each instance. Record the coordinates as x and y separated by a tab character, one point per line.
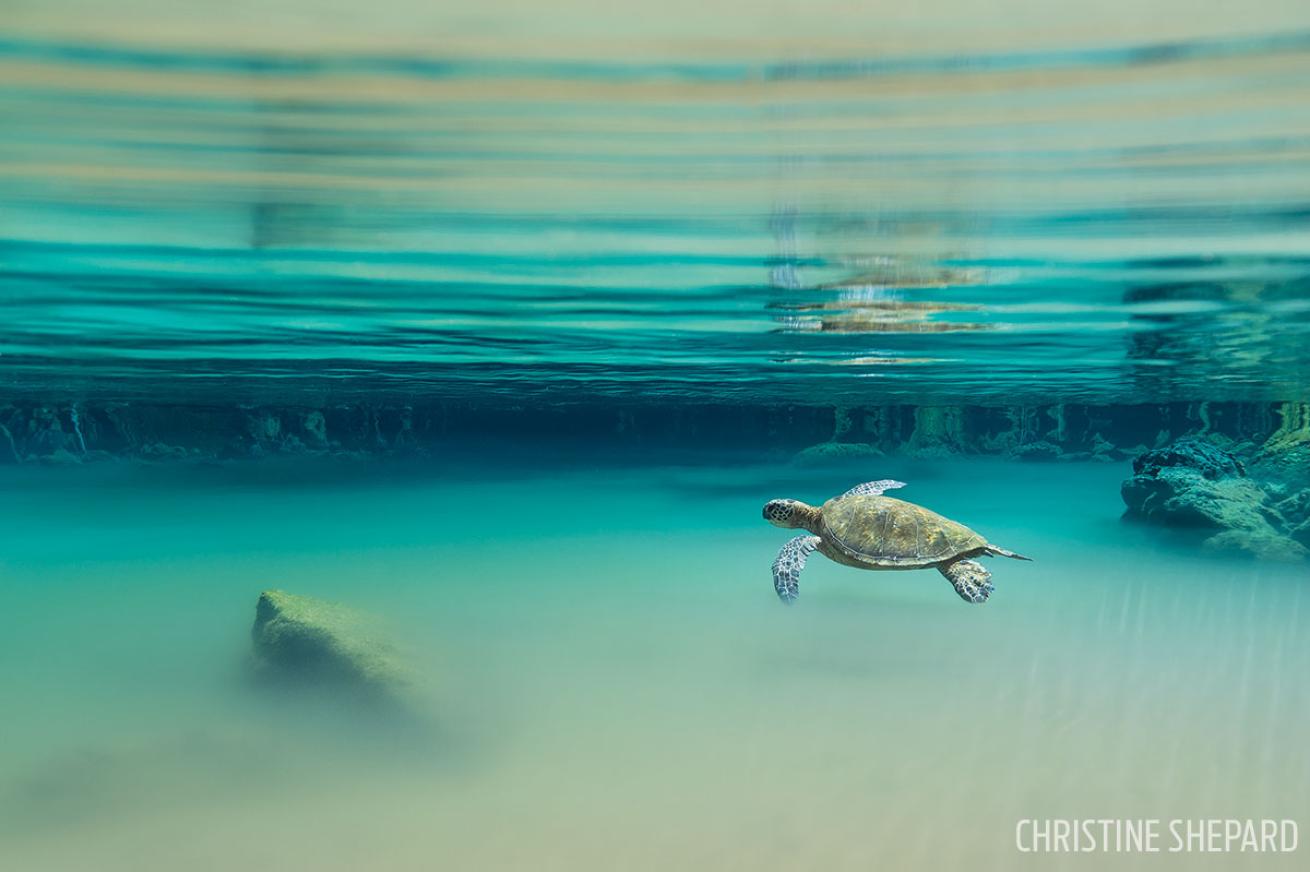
873	488
970	578
788	565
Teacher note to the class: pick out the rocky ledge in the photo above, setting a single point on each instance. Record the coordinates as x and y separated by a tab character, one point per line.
71	433
1193	483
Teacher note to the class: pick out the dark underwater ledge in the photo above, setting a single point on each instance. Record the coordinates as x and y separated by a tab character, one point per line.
1231	477
1272	433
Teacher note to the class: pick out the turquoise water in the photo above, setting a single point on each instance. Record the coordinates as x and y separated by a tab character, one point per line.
501	325
614	684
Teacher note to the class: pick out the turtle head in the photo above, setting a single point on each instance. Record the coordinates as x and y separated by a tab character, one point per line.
785	513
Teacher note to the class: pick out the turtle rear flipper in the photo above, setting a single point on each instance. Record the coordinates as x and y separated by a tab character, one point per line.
970	578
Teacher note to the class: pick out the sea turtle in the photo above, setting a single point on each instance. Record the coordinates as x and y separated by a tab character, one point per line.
864	529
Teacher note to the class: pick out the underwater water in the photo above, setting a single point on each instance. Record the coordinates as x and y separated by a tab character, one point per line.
618	686
502	325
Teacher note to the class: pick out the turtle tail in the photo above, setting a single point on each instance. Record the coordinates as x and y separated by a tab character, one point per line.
1001	552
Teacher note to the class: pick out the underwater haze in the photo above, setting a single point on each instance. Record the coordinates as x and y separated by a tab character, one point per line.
497	326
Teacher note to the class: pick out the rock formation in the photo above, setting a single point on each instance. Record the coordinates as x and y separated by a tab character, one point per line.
1192	483
308	640
1275	435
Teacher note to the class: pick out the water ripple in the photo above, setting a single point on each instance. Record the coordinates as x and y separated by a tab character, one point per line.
1122	222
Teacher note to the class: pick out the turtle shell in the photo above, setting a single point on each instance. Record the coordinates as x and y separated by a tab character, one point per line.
882	531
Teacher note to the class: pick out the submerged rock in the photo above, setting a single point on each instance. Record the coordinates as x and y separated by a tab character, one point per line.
1184	499
1263	542
199	431
1285	455
1036	451
316	430
1193	483
1301	533
939	432
309	639
1195	455
1295	509
835	452
9	452
61	457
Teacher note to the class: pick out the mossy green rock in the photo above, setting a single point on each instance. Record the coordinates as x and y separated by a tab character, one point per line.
1039	451
310	639
1262	542
1195	484
835	452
